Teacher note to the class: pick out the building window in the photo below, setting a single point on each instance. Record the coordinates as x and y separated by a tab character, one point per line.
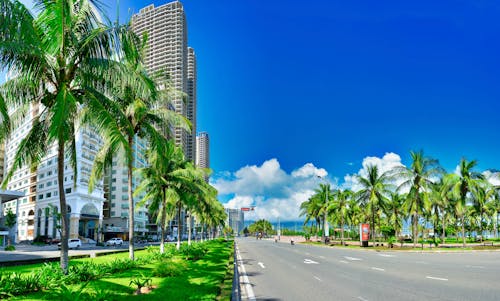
67	190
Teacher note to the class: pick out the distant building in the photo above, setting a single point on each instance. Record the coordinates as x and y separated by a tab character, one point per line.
203	150
235	220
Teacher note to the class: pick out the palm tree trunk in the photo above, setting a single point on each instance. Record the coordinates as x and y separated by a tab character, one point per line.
443	235
163	216
179	226
372	232
325	225
463	230
481	224
342	229
496	226
415	229
64	208
130	203
189	228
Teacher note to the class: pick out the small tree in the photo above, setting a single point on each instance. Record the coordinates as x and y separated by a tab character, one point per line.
10	221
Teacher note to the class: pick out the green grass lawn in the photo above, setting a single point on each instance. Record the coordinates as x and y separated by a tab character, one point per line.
203	279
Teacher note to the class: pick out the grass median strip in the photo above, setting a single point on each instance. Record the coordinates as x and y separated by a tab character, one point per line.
177	276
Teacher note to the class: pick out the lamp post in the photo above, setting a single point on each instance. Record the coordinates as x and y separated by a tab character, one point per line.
326	232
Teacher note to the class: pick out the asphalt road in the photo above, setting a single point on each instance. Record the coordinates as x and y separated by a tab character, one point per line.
279	271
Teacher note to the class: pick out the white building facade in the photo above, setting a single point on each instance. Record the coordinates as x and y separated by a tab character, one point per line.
37	212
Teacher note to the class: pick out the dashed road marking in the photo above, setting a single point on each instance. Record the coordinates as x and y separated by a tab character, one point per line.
352	258
309	261
386	255
475	266
322	257
362	299
261	265
436	278
343	261
317	278
378	269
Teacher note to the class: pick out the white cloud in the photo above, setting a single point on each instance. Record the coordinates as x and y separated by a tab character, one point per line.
309	170
493	178
384	164
272	191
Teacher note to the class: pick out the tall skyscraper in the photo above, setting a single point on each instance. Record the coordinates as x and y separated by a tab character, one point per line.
168	53
202	150
191	106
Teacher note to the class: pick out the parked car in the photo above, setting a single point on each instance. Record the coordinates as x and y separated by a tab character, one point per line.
73	243
115	241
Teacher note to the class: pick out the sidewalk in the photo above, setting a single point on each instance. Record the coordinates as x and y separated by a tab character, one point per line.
27	254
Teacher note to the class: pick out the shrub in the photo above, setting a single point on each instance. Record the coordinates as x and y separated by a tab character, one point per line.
14	284
10	248
194	251
50	275
85	271
169	268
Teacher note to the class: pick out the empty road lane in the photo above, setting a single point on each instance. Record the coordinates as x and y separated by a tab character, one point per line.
279	271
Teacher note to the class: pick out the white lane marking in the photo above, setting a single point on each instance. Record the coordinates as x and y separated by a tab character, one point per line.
261	265
386	255
475	266
243	274
352	258
343	261
436	278
317	278
322	257
362	299
378	269
309	261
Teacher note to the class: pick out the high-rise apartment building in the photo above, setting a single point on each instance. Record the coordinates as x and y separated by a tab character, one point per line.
37	210
167	53
116	206
191	105
202	150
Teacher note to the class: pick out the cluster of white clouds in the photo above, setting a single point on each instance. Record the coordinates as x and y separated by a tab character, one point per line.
388	162
276	193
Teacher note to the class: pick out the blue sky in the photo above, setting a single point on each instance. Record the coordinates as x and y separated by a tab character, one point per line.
319	87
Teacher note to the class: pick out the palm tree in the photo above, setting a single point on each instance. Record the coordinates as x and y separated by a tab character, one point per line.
493	208
311	209
57	58
417	179
441	201
375	189
463	184
172	183
394	212
484	194
339	206
139	110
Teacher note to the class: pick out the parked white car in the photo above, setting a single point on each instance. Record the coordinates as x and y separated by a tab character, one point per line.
115	241
73	243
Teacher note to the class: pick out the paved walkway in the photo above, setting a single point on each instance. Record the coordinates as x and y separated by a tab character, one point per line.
25	253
